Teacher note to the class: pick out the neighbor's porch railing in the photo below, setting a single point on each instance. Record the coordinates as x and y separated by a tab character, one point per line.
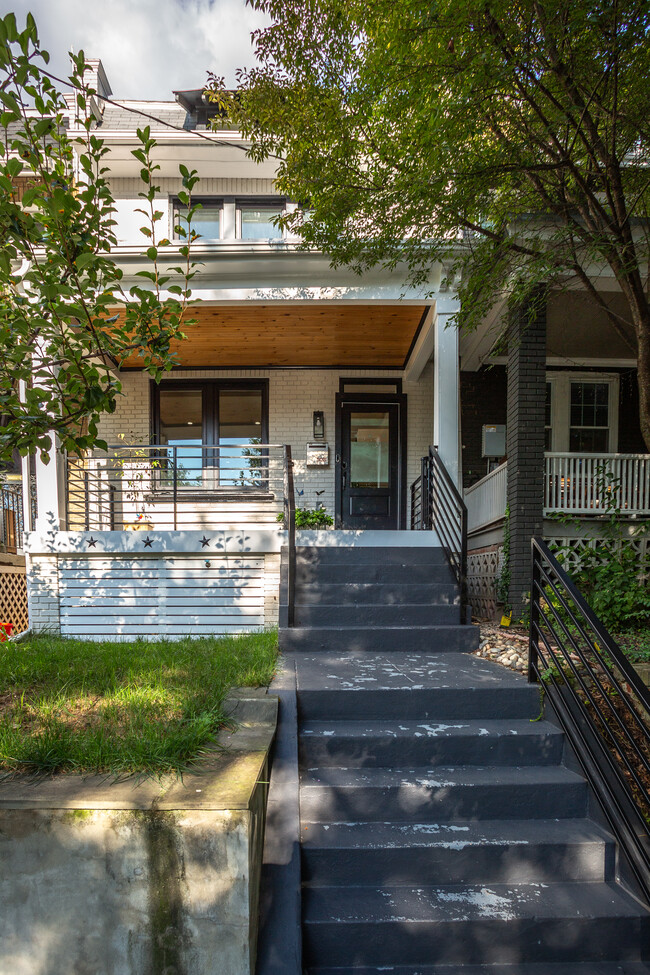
486	500
194	486
11	518
580	484
577	483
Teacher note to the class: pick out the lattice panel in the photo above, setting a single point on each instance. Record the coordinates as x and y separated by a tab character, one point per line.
483	570
13	597
574	549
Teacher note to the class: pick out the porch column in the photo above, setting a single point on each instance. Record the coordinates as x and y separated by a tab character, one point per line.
446	386
525	440
50	491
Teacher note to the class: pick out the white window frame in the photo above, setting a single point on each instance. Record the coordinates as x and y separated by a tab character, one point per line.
561	406
212	201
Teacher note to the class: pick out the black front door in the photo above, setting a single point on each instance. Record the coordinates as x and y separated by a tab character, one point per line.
369	465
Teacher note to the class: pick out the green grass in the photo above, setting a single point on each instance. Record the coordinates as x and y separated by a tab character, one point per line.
120	708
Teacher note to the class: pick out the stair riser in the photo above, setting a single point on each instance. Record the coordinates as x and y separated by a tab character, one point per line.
490	864
488	941
375	615
370	554
366	803
426	704
384	594
400	639
386	752
385	573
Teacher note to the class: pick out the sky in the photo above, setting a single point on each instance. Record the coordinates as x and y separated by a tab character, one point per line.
149	48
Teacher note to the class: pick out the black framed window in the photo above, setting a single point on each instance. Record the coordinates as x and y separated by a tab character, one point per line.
255	219
215	429
207	221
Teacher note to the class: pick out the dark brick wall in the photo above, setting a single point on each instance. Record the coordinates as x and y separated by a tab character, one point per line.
525	442
483	400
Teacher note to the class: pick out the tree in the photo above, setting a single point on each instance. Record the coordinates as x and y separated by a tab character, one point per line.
65	319
508	140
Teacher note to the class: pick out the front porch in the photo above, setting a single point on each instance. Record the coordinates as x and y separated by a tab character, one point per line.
580	491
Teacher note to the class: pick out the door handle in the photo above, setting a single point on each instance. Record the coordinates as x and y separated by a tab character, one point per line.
344	475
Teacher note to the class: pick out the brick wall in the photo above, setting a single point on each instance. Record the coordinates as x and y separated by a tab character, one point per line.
483	397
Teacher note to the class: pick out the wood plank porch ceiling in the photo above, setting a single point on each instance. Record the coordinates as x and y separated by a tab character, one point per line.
306	335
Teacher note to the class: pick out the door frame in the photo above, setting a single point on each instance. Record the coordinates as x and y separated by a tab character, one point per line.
370	399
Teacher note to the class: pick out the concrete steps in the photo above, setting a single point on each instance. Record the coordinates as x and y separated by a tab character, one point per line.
441	832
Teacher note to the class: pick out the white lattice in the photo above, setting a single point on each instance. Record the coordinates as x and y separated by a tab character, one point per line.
483	571
573	549
13	597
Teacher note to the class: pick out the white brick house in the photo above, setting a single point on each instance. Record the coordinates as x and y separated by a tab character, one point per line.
175	530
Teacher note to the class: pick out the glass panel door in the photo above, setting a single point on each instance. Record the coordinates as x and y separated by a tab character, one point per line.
241	461
181	426
369	465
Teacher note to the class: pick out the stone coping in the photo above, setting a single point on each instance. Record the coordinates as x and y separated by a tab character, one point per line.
226	779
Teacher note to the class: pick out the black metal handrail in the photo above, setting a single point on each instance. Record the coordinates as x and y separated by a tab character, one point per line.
290	526
439	507
602	703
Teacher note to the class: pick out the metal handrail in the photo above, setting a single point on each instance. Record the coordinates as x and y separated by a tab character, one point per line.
290	525
600	700
441	508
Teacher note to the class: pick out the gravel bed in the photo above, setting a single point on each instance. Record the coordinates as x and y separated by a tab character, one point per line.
504	645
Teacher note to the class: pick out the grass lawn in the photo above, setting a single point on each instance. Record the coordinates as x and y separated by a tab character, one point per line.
142	707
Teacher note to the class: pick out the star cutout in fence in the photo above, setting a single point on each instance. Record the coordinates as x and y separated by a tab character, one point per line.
204	541
92	542
148	542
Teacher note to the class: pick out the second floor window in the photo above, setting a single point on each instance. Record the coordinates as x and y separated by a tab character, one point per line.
207	220
255	220
246	218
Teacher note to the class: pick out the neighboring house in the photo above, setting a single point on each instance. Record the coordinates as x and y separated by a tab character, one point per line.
357	375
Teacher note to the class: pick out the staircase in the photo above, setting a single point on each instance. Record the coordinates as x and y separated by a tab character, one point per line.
442	834
443	829
388	597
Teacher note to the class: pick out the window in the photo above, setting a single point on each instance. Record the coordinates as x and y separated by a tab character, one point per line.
582	412
207	221
215	429
255	219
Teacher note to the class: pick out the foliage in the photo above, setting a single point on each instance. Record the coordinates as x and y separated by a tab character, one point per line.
65	318
310	518
121	707
507	141
609	573
503	582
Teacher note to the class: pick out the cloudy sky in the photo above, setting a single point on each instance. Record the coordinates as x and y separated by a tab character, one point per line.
149	47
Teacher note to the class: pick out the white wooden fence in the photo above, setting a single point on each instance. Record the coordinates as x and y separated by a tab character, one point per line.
586	484
486	500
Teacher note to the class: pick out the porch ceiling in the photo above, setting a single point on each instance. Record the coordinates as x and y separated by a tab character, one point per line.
354	335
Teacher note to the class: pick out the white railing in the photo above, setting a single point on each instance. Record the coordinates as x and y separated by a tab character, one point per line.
583	484
486	500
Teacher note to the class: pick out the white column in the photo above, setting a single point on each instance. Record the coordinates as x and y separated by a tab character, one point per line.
50	491
446	385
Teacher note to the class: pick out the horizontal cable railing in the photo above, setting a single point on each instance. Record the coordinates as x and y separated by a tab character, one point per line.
602	703
11	518
148	487
486	500
581	483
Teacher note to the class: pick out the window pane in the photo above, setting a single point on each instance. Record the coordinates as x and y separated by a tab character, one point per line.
240	430
590	441
389	388
206	222
181	426
256	223
369	449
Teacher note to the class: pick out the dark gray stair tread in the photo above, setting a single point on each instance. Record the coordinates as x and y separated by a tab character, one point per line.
488	728
385	593
441	638
403	671
460	903
364	554
491	792
375	615
378	571
439	778
533	968
456	835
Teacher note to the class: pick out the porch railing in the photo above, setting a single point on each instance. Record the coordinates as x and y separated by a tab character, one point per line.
436	505
486	500
148	487
602	703
585	484
11	518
